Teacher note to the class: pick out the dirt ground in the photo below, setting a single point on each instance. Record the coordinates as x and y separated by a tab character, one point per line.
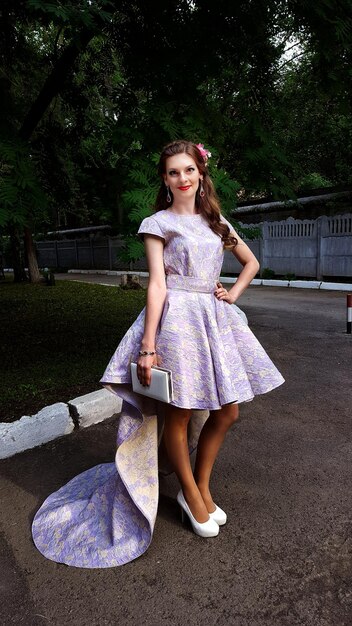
283	476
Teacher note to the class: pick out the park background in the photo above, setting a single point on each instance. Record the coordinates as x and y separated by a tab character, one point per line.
90	92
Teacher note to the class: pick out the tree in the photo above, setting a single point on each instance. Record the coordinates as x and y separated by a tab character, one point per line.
88	19
123	80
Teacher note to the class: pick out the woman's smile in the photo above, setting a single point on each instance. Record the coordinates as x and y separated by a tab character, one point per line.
184	187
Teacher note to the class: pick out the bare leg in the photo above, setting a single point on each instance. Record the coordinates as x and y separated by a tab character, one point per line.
175	438
209	443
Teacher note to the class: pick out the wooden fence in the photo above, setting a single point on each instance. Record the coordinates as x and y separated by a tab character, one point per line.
306	248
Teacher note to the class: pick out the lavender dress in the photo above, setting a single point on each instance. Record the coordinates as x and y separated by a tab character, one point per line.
105	516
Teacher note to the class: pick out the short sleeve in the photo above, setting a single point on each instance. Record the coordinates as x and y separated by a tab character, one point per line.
150	226
232	228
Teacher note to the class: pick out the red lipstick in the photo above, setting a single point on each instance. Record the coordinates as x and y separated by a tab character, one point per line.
185	188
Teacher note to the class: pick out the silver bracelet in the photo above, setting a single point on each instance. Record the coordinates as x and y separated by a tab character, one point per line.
145	353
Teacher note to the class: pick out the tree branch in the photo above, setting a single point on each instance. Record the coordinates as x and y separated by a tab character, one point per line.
54	82
290	60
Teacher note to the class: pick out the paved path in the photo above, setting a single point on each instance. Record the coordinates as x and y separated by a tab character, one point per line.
283	476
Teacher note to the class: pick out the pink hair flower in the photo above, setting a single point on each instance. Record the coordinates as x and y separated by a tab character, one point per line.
204	152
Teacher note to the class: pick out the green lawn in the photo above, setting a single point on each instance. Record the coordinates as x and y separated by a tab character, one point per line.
56	341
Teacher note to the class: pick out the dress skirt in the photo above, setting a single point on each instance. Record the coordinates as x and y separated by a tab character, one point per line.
105	516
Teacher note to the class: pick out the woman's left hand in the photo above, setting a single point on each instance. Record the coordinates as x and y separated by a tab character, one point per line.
222	294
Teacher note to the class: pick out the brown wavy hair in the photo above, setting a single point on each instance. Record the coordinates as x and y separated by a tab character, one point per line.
209	205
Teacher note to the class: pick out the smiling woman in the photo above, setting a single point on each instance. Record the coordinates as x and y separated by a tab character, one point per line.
187	187
184	178
106	515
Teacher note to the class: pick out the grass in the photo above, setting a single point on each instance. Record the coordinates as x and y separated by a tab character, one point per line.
57	341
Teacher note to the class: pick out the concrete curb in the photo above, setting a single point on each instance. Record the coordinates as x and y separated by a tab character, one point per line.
270	282
298	284
33	430
56	420
108	272
94	407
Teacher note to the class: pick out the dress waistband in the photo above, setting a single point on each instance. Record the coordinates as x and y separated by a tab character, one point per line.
190	283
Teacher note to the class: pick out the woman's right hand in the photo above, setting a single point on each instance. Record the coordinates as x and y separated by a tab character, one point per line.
144	365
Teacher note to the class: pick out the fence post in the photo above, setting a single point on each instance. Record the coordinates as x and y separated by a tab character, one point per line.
56	253
76	254
263	246
320	246
91	253
260	241
110	252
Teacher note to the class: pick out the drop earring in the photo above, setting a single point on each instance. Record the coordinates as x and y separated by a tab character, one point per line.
201	190
168	197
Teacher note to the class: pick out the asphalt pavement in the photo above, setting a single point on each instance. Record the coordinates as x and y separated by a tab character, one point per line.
283	476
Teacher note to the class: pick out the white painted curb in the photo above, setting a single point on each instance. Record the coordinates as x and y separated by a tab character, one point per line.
305	284
300	284
271	282
55	421
336	286
109	272
233	279
95	407
227	279
33	430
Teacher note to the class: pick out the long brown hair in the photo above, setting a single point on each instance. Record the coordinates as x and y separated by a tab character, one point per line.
208	205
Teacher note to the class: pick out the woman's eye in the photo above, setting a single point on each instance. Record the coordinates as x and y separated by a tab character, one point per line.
174	172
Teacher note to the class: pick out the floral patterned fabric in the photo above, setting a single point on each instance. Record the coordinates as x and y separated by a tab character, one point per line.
105	516
213	355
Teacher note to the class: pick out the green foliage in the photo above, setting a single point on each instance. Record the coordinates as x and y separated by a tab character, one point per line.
226	188
290	276
140	188
132	251
22	198
250	233
313	126
313	181
73	14
272	124
267	273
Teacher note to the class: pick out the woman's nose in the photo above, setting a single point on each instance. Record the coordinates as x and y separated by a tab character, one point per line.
183	177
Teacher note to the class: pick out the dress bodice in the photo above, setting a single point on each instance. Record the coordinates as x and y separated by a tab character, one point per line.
191	247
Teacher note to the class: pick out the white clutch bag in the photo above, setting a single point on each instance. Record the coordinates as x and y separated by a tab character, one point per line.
160	386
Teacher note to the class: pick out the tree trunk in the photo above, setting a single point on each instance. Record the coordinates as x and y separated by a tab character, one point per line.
52	85
50	89
33	269
54	82
17	258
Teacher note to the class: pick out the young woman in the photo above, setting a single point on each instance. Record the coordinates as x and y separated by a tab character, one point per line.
106	515
202	341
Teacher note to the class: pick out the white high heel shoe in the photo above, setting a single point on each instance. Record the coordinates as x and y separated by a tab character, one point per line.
205	529
219	516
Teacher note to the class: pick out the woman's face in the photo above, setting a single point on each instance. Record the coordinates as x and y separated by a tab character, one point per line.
183	176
